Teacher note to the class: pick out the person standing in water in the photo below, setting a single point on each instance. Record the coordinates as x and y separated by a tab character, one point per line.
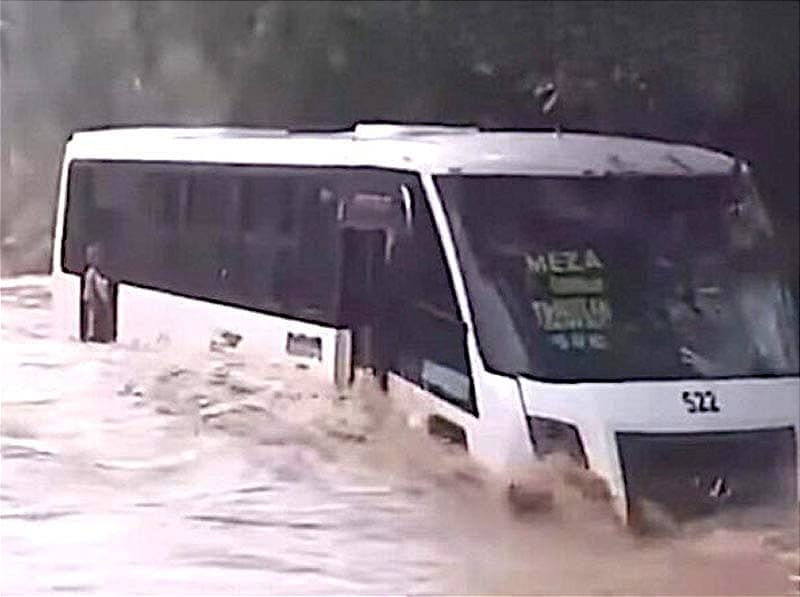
96	299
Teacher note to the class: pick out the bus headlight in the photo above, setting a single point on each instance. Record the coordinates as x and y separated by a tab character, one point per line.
550	436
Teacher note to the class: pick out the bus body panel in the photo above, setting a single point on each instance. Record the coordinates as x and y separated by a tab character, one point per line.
601	411
503	444
66	290
659	406
537	153
497	438
150	316
419	405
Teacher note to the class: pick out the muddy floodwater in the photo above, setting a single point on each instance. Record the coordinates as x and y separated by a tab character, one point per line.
143	471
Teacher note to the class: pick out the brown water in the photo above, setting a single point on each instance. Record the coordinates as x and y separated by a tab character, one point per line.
142	472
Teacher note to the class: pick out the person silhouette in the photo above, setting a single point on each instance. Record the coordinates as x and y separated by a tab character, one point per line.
96	298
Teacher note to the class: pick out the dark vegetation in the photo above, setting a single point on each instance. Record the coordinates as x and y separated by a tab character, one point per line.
723	74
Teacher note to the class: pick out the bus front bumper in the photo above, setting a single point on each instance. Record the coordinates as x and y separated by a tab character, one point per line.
654	450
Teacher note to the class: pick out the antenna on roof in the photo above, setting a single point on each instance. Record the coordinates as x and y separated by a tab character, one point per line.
740	167
548	96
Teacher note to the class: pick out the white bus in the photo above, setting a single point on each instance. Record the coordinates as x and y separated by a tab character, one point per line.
614	299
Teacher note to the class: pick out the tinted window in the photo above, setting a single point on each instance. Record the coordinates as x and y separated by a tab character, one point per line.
254	237
621	278
210	199
431	337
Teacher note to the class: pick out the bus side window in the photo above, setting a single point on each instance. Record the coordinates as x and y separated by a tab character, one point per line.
252	237
289	245
104	199
152	237
430	337
259	202
211	192
310	284
80	218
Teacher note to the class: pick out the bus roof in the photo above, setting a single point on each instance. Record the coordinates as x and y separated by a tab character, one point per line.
426	148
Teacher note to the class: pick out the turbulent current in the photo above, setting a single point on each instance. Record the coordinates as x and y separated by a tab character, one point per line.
142	471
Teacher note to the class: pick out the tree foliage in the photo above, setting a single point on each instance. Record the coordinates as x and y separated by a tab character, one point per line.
719	73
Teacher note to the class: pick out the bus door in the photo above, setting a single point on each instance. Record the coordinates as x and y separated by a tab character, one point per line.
363	269
369	224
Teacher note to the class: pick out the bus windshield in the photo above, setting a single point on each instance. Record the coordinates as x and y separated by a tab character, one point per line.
619	278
